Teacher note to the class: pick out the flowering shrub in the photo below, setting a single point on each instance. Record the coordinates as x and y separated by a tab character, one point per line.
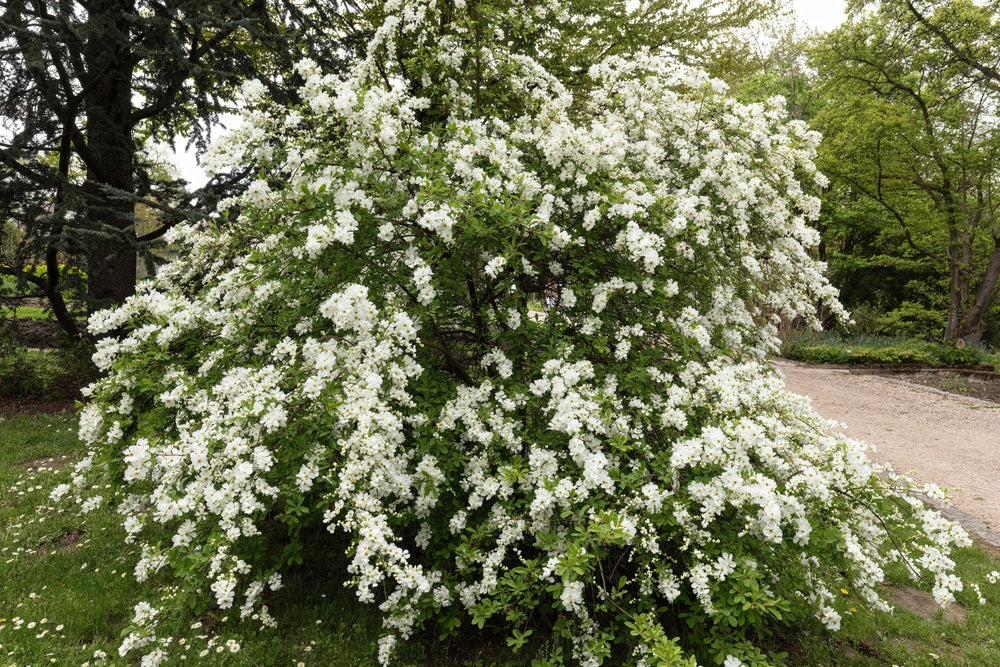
510	340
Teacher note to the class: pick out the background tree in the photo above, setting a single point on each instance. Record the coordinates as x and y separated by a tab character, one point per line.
696	33
913	129
968	31
84	83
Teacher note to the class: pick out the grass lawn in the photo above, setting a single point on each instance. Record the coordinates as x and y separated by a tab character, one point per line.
67	591
33	312
67	594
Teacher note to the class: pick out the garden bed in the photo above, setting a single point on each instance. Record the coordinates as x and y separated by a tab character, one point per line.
980	382
21	405
37	333
39	371
972	382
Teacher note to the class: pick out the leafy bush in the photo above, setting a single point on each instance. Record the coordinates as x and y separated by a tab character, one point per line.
10	287
621	473
830	348
914	320
909	320
43	374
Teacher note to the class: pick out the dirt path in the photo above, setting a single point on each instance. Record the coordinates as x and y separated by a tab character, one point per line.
947	439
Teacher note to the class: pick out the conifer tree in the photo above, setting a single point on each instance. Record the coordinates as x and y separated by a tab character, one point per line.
85	83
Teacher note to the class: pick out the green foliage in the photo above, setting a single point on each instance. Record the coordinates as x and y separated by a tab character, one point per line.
44	374
830	348
10	237
13	287
910	143
911	320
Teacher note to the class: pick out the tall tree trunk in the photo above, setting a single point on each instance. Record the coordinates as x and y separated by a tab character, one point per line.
955	303
110	164
55	296
985	295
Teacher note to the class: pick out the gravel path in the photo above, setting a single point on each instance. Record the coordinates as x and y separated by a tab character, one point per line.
950	440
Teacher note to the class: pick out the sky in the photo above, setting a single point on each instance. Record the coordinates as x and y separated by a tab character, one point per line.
817	14
820	14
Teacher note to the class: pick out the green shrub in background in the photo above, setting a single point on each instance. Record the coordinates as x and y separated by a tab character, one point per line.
21	298
831	348
10	287
913	320
43	374
910	319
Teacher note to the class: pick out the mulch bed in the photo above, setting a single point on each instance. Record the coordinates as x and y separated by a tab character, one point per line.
37	333
984	385
20	405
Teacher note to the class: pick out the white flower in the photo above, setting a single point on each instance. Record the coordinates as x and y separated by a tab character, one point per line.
830	618
386	648
184	534
440	221
252	90
494	266
224	590
258	193
572	595
154	659
345	227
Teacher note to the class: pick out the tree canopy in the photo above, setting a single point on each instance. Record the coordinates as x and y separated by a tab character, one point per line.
913	127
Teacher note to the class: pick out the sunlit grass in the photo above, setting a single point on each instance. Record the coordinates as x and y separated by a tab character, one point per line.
931	638
34	312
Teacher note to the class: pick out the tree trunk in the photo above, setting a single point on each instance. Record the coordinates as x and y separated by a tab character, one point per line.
955	304
111	261
973	326
55	297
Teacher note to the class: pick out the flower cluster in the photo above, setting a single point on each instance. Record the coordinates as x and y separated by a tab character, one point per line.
510	339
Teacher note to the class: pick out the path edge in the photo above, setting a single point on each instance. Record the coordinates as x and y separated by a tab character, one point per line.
971	524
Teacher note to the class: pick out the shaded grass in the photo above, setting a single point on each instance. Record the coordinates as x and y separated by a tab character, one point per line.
42	374
47	374
64	576
67	592
869	639
69	577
